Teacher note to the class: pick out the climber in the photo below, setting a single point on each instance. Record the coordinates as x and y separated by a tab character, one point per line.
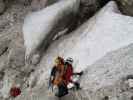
69	73
61	75
57	78
15	90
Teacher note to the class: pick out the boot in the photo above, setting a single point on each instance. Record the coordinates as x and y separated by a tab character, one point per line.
77	85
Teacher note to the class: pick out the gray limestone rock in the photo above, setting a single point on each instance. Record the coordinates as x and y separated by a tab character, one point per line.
2	6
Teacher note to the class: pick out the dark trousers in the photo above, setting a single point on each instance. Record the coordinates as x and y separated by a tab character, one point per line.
63	90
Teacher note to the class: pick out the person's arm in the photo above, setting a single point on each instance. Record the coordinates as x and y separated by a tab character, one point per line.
53	71
52	74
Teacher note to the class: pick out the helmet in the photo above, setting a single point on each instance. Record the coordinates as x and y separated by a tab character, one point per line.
69	60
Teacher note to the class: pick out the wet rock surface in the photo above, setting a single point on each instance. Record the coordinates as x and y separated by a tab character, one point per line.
88	8
126	6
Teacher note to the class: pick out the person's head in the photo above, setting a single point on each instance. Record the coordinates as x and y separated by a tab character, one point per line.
59	60
69	60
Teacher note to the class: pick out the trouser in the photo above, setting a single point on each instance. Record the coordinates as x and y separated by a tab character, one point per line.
62	90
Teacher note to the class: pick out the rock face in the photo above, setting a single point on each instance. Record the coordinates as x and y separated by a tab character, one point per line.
40	4
40	32
88	8
108	77
102	48
22	2
126	6
3	46
103	2
2	6
85	42
12	51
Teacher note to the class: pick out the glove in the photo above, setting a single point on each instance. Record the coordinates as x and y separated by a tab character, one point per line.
81	73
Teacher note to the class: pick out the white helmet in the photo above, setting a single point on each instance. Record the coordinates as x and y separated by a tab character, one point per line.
69	60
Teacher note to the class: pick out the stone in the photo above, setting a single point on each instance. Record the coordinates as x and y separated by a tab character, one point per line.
2	6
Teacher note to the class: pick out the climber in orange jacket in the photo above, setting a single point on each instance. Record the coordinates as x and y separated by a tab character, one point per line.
57	77
61	75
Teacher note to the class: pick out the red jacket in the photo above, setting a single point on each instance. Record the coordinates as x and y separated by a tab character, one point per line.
14	92
68	74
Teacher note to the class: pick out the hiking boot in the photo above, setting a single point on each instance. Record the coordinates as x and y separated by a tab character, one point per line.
77	85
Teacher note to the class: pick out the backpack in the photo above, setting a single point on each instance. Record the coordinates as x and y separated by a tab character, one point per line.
56	76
